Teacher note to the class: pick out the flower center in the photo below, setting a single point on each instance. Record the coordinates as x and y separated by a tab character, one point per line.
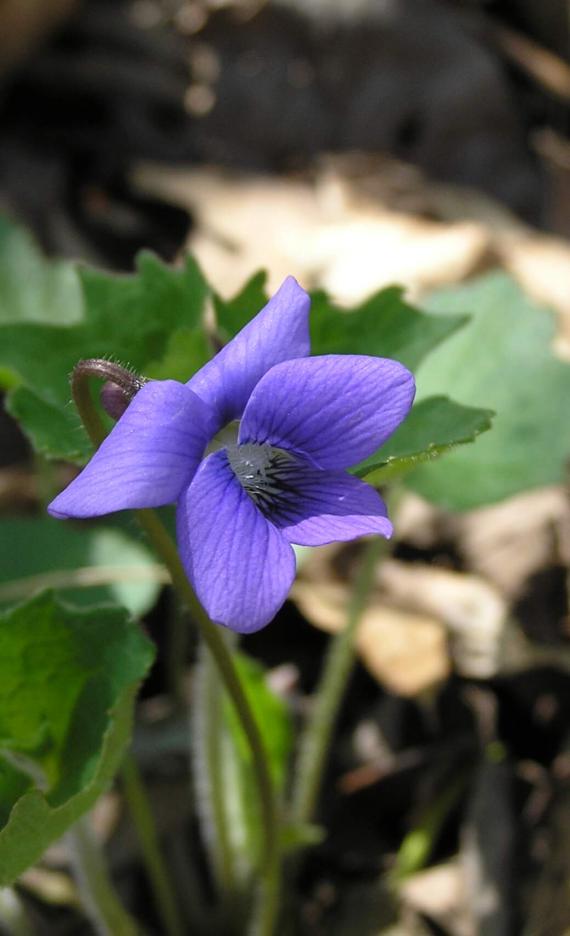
266	473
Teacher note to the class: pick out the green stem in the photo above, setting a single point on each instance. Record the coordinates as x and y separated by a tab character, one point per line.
208	749
101	904
270	865
139	807
176	654
315	743
268	904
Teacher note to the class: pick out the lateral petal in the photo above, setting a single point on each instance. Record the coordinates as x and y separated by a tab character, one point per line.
334	409
277	333
241	566
147	459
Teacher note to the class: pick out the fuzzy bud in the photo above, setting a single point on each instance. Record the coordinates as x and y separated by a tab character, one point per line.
121	383
114	399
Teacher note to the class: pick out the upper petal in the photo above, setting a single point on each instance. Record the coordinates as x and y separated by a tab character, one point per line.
149	456
335	409
320	507
278	333
241	566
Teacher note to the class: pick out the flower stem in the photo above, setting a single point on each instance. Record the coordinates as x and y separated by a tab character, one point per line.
208	736
271	860
139	807
101	904
270	864
315	743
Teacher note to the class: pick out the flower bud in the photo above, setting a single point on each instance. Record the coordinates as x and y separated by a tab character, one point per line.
114	399
121	383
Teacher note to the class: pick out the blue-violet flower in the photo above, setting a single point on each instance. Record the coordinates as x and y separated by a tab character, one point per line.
302	422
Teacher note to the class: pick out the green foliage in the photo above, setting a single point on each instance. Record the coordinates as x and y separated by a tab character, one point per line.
271	713
419	843
384	325
233	314
33	289
434	427
228	807
136	319
387	326
67	683
502	359
154	320
86	562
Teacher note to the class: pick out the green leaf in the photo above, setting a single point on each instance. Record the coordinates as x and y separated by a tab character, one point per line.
295	836
186	351
228	801
271	713
501	360
384	325
87	563
233	314
138	319
33	289
54	431
67	682
434	427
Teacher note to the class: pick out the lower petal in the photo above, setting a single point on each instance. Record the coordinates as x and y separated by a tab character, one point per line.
241	566
329	507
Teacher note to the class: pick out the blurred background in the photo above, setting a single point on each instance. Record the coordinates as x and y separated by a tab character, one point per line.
354	144
469	93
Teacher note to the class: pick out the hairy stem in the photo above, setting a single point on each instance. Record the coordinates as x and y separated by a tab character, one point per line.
270	865
122	378
139	808
315	742
100	902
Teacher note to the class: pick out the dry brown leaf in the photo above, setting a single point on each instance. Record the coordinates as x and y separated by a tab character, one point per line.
406	652
484	641
508	542
357	225
438	893
421	620
322	233
51	887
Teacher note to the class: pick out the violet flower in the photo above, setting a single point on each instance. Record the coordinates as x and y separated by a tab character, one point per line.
280	480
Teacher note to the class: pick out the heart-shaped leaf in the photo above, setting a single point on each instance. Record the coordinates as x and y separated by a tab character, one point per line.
384	325
434	427
68	677
87	564
502	359
140	320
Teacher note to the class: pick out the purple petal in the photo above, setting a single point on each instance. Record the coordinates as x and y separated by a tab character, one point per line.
322	507
278	333
240	565
147	459
335	409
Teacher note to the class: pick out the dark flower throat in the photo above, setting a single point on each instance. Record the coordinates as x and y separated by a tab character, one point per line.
266	473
